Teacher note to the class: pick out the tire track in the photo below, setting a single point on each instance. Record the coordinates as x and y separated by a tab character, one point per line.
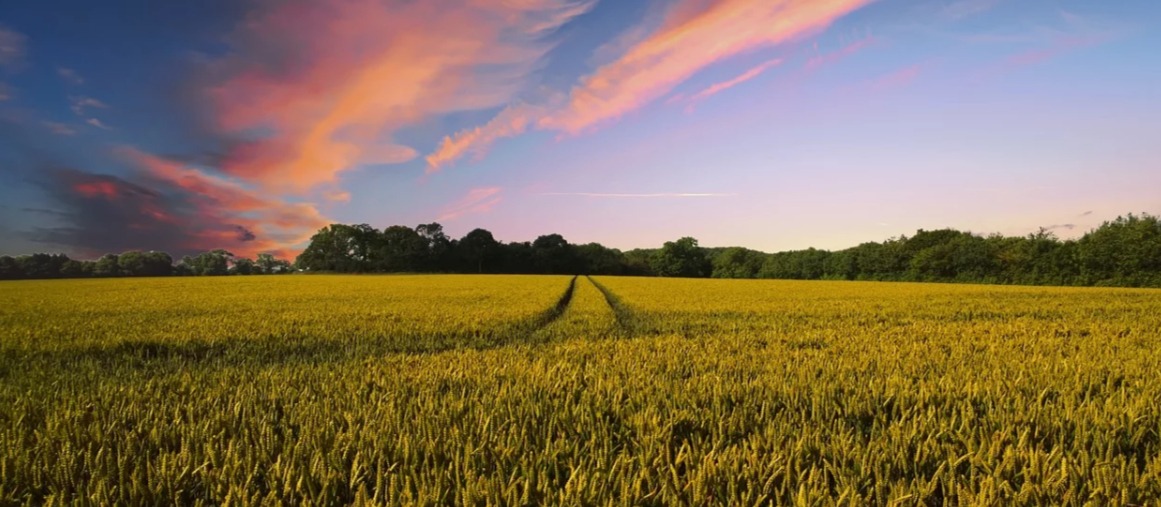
626	321
550	315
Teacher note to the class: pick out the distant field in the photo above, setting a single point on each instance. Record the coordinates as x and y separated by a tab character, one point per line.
511	390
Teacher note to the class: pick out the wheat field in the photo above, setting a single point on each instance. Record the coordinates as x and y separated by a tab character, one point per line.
532	390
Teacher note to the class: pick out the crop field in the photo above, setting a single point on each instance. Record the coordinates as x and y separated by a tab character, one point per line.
531	390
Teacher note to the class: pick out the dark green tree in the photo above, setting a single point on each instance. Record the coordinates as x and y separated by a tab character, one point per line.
479	250
737	262
681	258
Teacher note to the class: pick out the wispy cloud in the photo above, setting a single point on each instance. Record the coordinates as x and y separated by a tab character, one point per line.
5	92
898	78
70	76
59	128
477	200
824	59
81	105
696	34
716	88
12	48
330	83
511	121
692	35
1041	55
1071	33
220	212
661	195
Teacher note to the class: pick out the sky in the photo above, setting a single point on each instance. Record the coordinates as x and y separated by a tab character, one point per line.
770	124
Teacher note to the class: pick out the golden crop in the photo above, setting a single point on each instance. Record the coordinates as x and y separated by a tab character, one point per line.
498	390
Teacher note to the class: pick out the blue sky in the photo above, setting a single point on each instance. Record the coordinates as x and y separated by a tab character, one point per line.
774	124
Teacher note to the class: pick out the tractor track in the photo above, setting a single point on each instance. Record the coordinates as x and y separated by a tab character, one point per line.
626	322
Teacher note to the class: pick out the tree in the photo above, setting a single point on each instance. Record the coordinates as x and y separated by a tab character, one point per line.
41	265
596	259
552	254
131	263
681	258
212	263
76	269
438	247
265	264
1125	251
10	269
243	266
518	258
332	248
157	264
639	262
479	249
107	265
401	249
737	262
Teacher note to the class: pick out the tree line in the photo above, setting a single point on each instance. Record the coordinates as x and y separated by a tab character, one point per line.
1123	252
137	263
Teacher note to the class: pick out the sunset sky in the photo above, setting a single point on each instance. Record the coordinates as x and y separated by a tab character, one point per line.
771	124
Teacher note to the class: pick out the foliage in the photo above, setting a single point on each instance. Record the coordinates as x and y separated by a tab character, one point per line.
1124	252
681	258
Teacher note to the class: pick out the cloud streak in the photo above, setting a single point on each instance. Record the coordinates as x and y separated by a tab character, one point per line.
899	78
13	46
227	207
693	35
696	34
512	121
314	89
477	200
717	88
70	76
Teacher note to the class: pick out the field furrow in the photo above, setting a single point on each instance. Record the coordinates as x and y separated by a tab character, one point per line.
587	316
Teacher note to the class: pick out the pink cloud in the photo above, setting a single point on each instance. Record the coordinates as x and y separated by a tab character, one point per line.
97	188
477	200
693	35
321	87
1060	47
898	78
1030	58
511	121
222	207
742	78
696	34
